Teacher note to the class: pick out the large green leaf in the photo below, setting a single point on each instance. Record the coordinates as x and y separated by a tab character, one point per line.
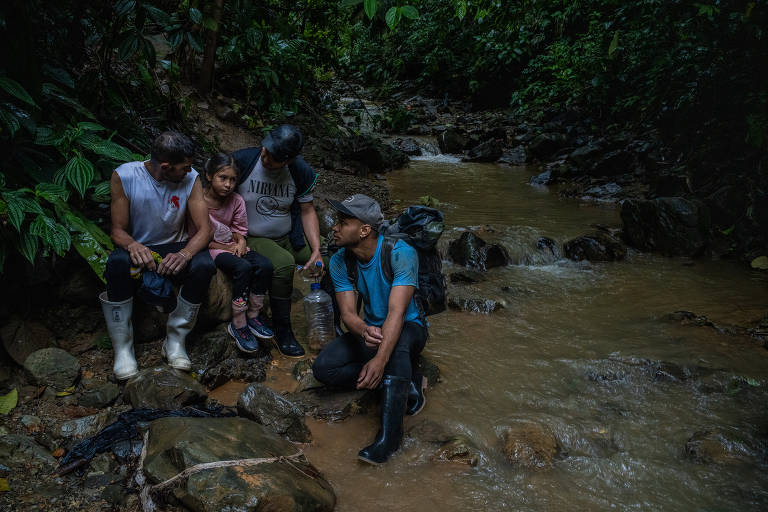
9	401
51	192
123	7
89	126
101	192
195	15
14	88
461	9
410	12
18	206
57	94
129	45
59	75
106	148
51	233
44	136
349	3
79	172
392	17
77	222
159	15
27	246
194	42
90	242
370	8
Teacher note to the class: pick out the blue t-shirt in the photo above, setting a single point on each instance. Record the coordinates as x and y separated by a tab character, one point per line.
372	284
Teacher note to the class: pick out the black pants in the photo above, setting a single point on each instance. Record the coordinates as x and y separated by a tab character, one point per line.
250	273
195	277
340	362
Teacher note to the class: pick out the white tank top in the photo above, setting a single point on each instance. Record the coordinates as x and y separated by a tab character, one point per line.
158	208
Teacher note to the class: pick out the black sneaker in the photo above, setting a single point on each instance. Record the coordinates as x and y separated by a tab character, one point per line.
244	339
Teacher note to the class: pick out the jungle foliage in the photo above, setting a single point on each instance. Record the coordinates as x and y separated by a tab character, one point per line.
84	86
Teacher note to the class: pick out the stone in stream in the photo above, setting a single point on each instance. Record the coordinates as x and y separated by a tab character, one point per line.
451	141
471	250
488	151
333	405
163	387
474	304
596	246
449	446
53	367
720	447
269	408
545	145
290	485
530	445
99	395
514	156
408	146
221	361
672	226
467	277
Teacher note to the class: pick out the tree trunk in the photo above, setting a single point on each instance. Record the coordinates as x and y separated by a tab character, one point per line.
205	83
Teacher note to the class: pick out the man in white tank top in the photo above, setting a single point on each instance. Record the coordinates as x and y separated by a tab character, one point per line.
151	204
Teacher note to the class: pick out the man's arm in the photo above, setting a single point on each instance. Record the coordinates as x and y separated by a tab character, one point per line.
120	210
198	212
373	371
311	226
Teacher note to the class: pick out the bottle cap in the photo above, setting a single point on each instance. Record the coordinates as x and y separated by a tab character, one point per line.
314	286
318	264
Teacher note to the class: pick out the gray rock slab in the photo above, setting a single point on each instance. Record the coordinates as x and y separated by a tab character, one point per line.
53	367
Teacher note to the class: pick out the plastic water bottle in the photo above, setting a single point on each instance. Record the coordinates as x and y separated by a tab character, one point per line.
318	310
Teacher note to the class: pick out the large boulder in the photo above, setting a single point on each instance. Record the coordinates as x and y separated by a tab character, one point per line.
221	361
488	151
546	145
218	305
530	445
473	251
514	156
21	338
612	163
332	405
53	367
269	408
452	141
672	226
449	446
596	246
719	447
163	387
283	481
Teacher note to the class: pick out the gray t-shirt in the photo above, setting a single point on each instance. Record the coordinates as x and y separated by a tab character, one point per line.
158	209
268	197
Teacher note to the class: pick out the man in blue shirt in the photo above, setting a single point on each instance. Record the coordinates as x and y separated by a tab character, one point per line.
380	349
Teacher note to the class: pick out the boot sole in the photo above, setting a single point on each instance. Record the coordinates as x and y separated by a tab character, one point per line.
128	376
184	368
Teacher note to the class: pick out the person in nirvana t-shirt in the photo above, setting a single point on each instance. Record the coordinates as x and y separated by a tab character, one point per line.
276	184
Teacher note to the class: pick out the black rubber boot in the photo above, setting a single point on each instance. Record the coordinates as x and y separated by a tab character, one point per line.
394	392
416	398
285	341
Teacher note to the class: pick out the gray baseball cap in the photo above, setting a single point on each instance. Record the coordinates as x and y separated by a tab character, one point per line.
360	207
284	142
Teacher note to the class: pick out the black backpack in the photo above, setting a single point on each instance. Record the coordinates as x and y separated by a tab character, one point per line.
420	227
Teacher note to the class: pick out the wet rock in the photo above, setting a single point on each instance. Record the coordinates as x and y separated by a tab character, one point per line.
603	192
488	151
226	113
530	445
719	447
100	395
473	251
368	155
84	427
218	305
452	141
548	245
545	145
148	323
127	449
222	362
544	178
612	163
596	246
302	371
450	446
581	156
21	338
176	444
672	226
474	304
356	105
408	146
727	205
164	388
515	156
332	405
53	367
429	370
17	449
670	183
269	408
467	277
30	422
115	495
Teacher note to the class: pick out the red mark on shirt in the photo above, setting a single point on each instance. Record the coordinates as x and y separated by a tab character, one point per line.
174	202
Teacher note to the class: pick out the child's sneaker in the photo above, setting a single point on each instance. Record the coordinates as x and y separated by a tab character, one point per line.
259	329
244	340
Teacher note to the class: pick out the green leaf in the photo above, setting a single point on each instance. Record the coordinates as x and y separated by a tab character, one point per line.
56	93
9	401
14	88
175	38
90	242
101	192
106	148
90	127
51	233
392	17
123	7
194	42
44	136
79	172
59	75
350	3
614	44
75	221
411	12
51	192
370	8
761	263
129	46
15	210
27	246
159	15
461	9
195	15
9	120
210	24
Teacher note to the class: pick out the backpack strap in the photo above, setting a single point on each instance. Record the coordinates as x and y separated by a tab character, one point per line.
387	245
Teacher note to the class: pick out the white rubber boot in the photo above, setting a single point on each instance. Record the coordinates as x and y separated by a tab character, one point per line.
180	323
118	318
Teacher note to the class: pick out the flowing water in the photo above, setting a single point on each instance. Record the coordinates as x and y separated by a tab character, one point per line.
570	350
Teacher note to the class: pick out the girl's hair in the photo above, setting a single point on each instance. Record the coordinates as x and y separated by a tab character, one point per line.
218	162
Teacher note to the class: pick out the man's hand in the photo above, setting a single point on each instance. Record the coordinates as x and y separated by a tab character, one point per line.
173	263
372	336
311	262
371	374
141	256
240	248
